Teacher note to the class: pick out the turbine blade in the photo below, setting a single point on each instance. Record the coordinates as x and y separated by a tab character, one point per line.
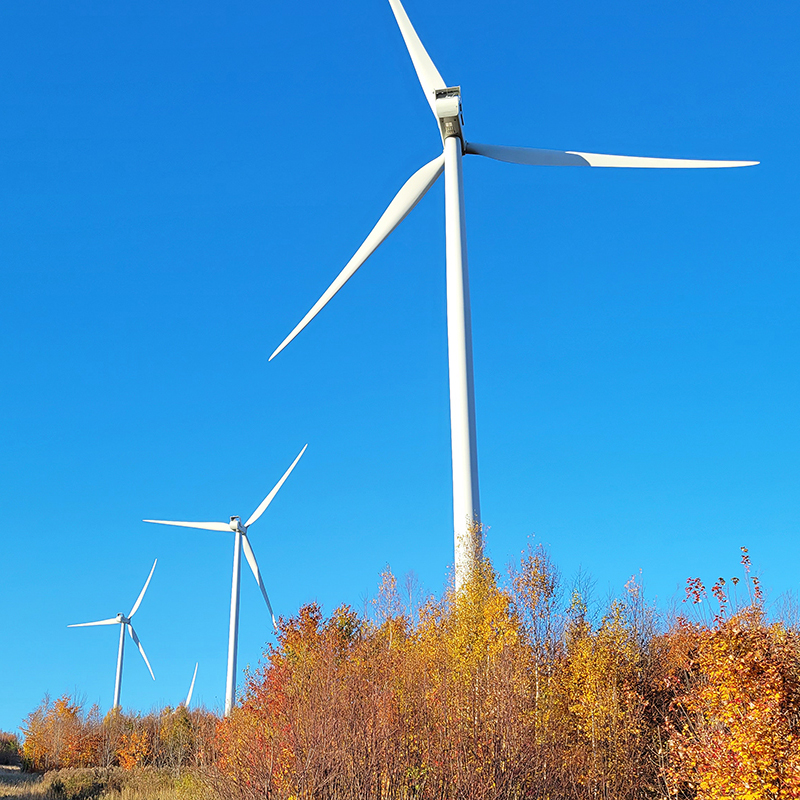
412	192
428	75
135	638
268	499
141	594
603	160
191	688
251	560
574	158
99	622
203	526
527	155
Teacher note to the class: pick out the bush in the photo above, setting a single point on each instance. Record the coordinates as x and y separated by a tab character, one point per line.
80	784
9	749
735	721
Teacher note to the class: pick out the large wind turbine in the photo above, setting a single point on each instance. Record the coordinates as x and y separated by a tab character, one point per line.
241	542
124	622
445	103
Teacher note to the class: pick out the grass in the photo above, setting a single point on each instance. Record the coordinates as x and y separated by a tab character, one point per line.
93	784
14	783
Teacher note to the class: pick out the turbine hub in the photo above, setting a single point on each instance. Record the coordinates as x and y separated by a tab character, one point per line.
448	110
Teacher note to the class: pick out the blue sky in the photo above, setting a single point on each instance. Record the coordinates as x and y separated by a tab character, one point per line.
181	182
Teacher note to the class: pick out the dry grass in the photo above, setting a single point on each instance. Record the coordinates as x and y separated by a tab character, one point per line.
111	785
14	783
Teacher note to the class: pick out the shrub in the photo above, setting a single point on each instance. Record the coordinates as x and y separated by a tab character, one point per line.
9	749
80	784
61	734
735	723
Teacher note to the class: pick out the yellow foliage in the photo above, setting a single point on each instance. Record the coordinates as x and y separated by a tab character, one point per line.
600	683
736	726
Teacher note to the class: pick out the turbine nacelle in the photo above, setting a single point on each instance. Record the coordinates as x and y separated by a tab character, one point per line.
447	107
236	525
121	618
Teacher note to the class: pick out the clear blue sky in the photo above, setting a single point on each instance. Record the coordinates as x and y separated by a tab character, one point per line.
180	182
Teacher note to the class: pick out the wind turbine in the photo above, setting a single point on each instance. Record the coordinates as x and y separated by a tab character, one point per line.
124	622
241	542
445	103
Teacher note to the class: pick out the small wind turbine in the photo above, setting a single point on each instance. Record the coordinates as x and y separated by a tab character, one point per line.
445	102
124	622
241	542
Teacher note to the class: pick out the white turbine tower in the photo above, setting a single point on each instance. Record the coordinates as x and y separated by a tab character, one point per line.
124	622
445	102
241	542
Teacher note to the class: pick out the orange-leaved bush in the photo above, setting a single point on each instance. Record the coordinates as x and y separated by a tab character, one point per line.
735	728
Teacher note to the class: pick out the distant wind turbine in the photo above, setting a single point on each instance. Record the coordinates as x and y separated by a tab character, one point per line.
445	103
124	622
241	542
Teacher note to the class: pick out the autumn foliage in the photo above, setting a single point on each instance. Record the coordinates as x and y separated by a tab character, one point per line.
62	734
514	688
735	727
521	691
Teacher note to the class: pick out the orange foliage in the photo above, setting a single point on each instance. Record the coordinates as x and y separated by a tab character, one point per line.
489	693
62	734
735	730
135	750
